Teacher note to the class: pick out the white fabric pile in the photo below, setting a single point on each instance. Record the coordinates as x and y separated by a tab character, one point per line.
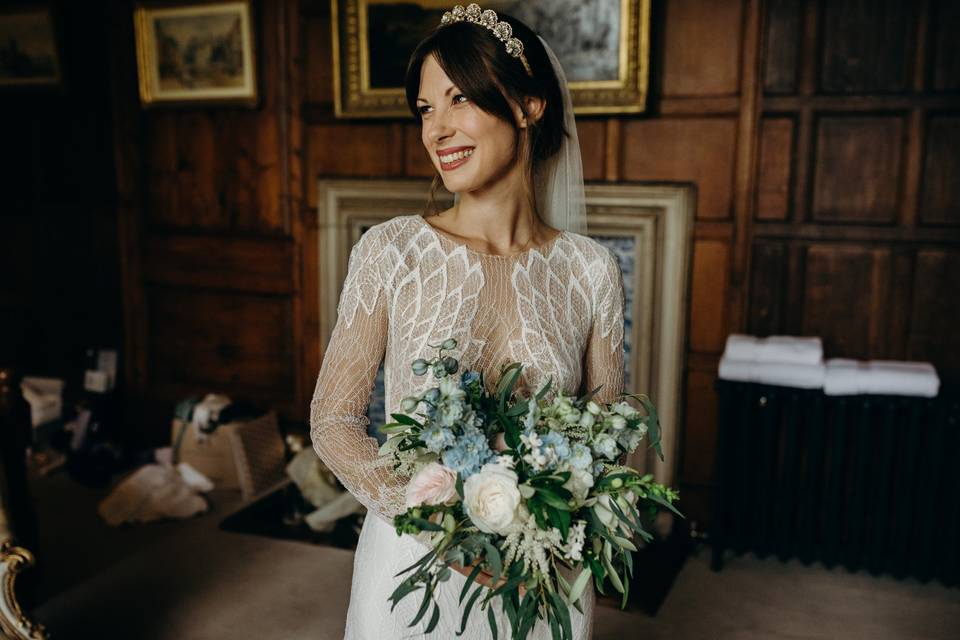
787	361
333	503
880	377
792	361
154	492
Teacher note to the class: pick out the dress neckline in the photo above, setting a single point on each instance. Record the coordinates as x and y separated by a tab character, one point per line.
443	237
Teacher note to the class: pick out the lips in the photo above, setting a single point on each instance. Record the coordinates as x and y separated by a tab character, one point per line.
458	154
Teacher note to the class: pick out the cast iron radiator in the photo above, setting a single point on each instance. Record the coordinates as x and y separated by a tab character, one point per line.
866	482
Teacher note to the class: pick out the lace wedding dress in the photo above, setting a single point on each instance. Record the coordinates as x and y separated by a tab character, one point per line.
557	308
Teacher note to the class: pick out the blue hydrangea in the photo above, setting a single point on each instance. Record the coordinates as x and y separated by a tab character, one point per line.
468	453
436	437
580	457
555	447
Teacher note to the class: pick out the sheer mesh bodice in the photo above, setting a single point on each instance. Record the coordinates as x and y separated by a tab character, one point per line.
557	308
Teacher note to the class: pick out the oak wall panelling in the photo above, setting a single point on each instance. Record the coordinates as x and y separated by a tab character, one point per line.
210	201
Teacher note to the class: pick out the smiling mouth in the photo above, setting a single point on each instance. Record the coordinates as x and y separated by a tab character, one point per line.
454	160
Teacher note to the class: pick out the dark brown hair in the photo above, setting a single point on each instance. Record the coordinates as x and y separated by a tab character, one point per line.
477	62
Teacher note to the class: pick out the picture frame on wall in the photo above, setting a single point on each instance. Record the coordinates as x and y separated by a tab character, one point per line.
196	54
29	56
603	45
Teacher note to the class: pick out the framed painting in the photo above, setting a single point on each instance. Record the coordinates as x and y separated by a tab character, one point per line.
196	54
28	49
603	46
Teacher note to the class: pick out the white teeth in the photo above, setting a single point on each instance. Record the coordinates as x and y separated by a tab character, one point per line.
459	155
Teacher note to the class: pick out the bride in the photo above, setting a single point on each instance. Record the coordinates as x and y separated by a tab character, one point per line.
507	272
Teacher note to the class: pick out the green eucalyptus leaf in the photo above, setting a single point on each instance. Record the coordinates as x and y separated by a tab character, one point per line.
470	580
493	558
466	611
427	599
624	543
492	621
578	586
612	574
405	419
394	427
434	619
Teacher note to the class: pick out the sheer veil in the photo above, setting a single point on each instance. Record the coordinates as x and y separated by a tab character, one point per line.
558	183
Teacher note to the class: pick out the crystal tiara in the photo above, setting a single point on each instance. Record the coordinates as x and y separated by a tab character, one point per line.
502	30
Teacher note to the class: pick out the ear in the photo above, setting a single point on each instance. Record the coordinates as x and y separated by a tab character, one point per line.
534	107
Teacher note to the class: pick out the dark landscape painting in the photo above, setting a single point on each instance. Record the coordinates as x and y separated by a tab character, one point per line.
202	51
28	51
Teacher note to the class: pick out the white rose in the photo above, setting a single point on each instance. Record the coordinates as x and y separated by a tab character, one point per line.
491	498
434	484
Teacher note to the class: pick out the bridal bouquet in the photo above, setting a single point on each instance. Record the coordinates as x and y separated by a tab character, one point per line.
519	488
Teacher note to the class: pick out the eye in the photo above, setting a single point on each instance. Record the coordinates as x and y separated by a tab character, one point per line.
457	98
422	109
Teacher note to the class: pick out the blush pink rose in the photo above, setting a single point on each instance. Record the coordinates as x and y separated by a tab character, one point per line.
434	484
499	443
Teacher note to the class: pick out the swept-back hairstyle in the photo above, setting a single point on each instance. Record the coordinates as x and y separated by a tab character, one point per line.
477	62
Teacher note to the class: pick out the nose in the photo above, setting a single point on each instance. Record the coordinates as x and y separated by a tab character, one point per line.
440	128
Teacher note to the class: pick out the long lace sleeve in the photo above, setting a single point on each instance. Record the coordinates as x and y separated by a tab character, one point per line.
338	421
603	362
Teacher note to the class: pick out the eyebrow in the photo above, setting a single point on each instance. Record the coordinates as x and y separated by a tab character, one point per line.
446	93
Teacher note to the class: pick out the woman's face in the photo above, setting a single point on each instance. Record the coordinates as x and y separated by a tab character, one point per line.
470	148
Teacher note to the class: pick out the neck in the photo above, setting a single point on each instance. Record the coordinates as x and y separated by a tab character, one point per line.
499	215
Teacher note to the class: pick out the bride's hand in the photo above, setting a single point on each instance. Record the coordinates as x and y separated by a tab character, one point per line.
484	577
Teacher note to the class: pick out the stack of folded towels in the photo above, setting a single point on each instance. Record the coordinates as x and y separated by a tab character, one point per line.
792	361
880	377
787	361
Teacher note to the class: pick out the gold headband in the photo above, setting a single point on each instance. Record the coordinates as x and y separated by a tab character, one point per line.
502	30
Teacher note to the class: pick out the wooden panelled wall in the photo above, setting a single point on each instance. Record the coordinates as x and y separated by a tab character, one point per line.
823	139
210	212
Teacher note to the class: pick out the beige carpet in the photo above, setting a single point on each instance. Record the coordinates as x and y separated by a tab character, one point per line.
190	581
221	586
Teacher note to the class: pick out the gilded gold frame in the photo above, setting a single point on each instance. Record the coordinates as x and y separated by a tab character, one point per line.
145	13
354	97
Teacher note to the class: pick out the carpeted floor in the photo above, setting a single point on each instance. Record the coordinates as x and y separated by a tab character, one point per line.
189	580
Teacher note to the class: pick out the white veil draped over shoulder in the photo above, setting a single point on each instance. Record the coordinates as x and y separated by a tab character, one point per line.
558	182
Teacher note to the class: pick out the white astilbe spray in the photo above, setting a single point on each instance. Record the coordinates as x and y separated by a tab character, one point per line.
575	539
532	544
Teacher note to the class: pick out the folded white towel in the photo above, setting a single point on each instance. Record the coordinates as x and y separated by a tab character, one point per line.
792	349
881	377
802	376
902	378
844	377
736	370
741	347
